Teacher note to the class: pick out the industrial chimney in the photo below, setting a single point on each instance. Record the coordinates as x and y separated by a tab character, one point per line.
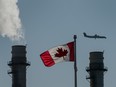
18	66
96	69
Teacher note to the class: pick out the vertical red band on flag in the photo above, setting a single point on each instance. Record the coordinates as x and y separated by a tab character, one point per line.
47	59
71	47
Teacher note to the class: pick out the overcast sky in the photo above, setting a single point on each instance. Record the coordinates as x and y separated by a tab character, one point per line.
48	23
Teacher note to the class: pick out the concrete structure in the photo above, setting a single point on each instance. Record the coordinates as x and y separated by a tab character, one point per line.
96	69
18	66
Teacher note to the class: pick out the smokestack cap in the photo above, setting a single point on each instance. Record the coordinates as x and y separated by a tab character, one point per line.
95	54
96	57
18	50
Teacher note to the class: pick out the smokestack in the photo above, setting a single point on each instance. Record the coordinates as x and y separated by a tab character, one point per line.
18	66
96	69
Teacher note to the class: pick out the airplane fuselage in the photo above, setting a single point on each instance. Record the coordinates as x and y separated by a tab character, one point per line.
94	36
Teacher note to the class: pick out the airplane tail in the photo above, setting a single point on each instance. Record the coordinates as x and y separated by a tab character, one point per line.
85	34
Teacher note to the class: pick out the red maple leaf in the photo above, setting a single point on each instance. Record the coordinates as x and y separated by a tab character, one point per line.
61	53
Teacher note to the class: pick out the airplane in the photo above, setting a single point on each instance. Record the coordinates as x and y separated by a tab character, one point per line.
94	36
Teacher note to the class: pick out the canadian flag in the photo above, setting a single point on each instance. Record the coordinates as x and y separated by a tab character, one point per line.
58	54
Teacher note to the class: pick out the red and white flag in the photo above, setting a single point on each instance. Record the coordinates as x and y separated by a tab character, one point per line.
58	54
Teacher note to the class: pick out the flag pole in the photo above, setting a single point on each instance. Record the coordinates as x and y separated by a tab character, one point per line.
75	63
